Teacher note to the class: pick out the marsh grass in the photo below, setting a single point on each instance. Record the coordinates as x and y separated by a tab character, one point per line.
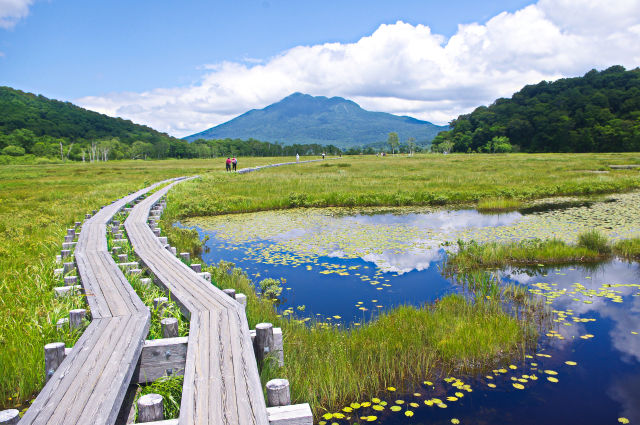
427	179
329	366
473	255
498	205
628	248
594	240
592	246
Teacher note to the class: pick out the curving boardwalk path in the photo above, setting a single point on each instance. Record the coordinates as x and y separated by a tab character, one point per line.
221	381
89	385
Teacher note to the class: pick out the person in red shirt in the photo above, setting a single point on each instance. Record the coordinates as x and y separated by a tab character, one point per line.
228	164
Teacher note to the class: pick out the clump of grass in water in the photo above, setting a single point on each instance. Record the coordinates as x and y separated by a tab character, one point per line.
594	241
498	204
628	248
170	388
472	255
398	348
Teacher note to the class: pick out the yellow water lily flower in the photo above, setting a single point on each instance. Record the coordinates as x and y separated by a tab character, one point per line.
570	363
395	408
518	386
552	379
408	413
455	421
391	388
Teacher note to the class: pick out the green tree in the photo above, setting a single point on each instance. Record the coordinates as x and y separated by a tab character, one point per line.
393	141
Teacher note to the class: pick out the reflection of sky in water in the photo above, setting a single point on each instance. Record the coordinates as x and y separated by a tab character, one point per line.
441	220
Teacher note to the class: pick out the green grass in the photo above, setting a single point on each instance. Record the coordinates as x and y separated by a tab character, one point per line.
427	179
498	204
628	248
328	366
592	246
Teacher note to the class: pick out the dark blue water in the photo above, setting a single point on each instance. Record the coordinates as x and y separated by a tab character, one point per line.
595	327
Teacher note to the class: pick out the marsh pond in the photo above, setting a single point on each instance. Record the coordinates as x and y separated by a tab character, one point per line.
342	267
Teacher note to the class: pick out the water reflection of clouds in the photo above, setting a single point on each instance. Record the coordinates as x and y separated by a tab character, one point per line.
625	391
625	317
390	261
441	220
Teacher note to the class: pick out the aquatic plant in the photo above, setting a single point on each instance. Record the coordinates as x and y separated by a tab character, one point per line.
594	241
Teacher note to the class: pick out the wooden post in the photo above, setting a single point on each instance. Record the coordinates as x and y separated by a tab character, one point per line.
68	267
70	280
169	327
53	356
150	408
71	232
264	340
122	258
230	292
77	224
68	238
76	317
159	304
156	231
186	257
62	323
196	268
9	417
64	253
242	299
278	393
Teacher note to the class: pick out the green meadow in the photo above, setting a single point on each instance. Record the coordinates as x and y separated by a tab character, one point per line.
37	204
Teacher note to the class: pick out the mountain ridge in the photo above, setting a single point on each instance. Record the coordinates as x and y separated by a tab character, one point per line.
305	119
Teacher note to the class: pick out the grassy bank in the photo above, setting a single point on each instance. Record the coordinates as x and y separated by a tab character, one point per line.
329	366
591	247
420	180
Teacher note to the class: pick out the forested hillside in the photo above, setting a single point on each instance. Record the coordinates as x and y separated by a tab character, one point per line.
599	112
34	126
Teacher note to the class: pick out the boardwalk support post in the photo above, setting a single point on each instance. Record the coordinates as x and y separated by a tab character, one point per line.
9	417
150	408
53	356
278	393
230	292
76	317
264	340
169	327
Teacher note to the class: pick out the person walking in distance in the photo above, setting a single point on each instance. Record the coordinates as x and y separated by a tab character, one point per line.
234	163
297	157
228	163
322	155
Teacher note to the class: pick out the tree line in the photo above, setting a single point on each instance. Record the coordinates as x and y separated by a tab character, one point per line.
599	112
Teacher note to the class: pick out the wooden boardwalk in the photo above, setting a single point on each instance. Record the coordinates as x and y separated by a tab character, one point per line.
221	381
89	385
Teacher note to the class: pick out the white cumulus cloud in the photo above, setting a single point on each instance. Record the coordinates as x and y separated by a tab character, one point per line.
404	69
11	11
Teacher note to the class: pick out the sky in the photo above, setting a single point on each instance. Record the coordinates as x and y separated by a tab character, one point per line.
184	66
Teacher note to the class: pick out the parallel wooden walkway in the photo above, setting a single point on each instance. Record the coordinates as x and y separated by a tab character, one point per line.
90	384
221	381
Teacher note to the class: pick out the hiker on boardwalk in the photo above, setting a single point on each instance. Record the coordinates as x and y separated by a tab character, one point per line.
234	163
297	157
322	155
228	163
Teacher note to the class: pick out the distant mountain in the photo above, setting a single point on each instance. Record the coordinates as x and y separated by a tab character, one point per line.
304	119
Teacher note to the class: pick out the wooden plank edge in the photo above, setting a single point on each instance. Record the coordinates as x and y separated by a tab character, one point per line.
295	414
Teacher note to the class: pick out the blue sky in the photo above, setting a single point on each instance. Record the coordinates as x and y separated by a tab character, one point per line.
184	66
69	49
